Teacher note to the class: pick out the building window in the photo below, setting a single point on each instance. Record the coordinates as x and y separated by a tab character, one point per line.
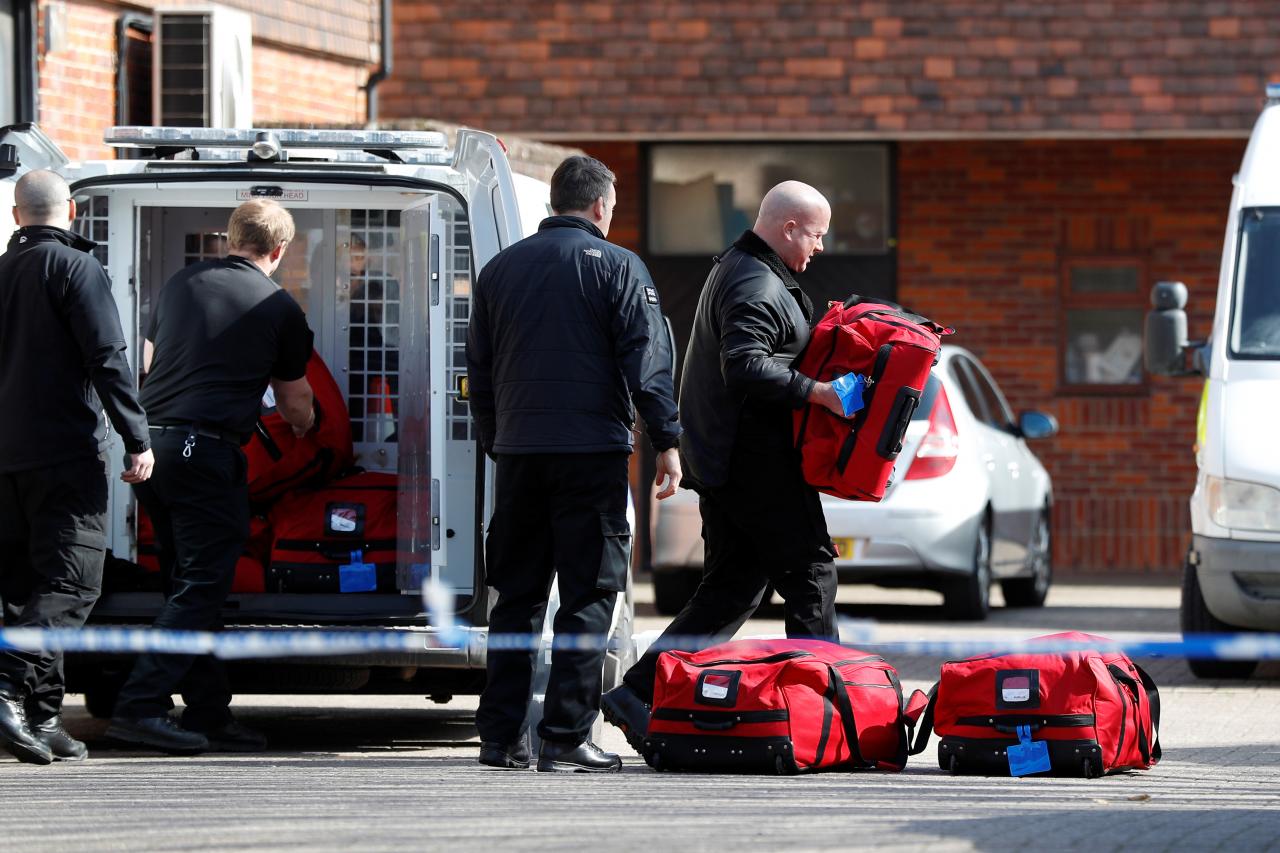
1102	323
702	197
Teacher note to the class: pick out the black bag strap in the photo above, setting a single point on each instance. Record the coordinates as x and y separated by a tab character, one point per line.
925	726
1153	699
845	708
273	449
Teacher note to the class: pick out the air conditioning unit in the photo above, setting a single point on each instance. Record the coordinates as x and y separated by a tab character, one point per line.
202	68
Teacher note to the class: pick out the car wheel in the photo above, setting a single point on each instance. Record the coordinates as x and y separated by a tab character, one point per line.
672	589
1032	591
1196	619
970	597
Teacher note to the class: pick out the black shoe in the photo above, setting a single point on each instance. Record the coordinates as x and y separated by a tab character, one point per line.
234	737
509	756
63	746
586	757
624	708
162	733
17	735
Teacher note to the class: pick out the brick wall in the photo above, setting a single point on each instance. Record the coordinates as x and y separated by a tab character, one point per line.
982	226
663	68
77	82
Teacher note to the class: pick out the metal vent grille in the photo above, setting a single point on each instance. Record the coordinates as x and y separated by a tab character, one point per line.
182	75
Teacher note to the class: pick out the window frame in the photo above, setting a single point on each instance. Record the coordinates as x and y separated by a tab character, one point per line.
1069	300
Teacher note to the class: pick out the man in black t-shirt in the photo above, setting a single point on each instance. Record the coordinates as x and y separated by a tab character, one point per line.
220	332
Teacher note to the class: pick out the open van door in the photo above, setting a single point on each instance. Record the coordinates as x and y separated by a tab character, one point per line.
491	194
23	148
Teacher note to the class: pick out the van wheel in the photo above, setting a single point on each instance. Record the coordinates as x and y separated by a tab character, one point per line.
672	589
970	596
1196	619
1032	591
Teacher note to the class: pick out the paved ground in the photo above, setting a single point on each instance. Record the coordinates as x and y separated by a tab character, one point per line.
399	773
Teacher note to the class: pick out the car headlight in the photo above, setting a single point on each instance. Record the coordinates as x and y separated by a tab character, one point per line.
1243	506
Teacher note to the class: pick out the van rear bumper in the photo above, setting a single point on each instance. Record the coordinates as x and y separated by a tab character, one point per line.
1240	580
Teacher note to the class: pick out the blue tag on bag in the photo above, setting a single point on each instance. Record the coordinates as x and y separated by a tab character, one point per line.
1028	756
849	389
357	576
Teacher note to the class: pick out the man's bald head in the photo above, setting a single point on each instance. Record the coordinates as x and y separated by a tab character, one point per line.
42	198
793	219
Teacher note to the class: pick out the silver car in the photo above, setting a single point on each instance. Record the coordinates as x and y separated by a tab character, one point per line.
968	504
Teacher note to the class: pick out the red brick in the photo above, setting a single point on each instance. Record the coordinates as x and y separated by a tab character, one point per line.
1220	28
804	68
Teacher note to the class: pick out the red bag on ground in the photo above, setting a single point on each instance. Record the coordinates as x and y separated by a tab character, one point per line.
339	538
1096	713
894	350
280	461
775	706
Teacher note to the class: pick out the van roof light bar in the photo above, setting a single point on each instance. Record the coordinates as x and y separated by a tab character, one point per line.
217	137
1273	92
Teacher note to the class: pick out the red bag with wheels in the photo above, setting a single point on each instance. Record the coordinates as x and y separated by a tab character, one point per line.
893	350
1078	713
250	571
280	461
338	538
775	706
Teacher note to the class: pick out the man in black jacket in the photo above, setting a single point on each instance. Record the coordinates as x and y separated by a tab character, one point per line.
62	361
761	522
566	333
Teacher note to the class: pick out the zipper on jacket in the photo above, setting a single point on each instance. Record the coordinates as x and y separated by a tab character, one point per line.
846	449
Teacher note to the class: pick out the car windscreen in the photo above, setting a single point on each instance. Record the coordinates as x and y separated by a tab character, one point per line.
930	394
1255	314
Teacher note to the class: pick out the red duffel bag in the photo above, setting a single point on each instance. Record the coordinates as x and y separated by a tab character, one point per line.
250	573
893	350
338	538
775	706
279	461
1078	713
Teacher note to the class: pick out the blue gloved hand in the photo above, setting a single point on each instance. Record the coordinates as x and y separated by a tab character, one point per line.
849	388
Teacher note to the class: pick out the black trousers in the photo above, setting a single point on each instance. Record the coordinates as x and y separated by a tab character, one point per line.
562	516
764	526
200	507
53	524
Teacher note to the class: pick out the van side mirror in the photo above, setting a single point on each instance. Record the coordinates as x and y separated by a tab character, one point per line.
1035	424
1165	344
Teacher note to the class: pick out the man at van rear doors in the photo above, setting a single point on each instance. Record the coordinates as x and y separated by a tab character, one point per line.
219	333
62	361
762	523
566	333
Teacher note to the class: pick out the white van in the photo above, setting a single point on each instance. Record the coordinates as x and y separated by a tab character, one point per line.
1231	580
426	220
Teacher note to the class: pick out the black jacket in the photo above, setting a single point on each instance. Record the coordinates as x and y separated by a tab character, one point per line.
565	333
738	387
62	354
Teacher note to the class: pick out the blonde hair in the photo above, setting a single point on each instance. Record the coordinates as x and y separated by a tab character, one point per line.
258	226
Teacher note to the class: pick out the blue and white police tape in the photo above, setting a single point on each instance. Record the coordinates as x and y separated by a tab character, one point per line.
445	631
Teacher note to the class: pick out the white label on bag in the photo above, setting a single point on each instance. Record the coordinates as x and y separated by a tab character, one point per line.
715	687
1016	689
342	521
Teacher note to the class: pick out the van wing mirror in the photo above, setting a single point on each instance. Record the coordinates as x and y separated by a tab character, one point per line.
1165	344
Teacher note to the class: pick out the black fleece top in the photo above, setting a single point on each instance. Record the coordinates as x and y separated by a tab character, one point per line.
62	354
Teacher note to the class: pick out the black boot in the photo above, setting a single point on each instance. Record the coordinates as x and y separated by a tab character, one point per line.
234	737
60	742
624	708
585	757
162	733
506	756
16	734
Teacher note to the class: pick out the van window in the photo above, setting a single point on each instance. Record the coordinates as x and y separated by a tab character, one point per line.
1255	317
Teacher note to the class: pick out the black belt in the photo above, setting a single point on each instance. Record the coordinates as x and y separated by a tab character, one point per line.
203	432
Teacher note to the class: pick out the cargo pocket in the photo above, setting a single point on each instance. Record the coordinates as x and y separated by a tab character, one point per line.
615	554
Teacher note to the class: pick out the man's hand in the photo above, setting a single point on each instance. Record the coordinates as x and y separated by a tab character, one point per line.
140	465
824	395
300	431
668	467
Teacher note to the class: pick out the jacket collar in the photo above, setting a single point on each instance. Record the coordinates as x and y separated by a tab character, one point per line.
753	245
29	235
570	222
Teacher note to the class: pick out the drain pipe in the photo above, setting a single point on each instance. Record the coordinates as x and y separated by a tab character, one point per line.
384	67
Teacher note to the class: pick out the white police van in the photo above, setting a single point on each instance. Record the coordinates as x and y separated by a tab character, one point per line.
404	210
1231	580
